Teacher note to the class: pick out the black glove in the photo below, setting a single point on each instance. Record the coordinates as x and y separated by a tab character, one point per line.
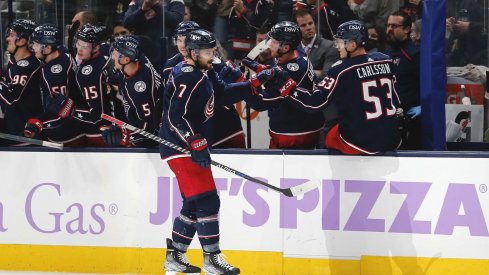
261	78
60	105
199	152
115	136
252	64
33	128
281	82
231	75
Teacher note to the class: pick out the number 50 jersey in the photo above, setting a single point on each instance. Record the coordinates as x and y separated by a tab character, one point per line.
363	90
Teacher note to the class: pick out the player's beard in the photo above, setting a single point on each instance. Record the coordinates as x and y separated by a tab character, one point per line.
203	65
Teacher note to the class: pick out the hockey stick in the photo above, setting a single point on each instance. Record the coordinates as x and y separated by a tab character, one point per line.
289	192
54	145
257	50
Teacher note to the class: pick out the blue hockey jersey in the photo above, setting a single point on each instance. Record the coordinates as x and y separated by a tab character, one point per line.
364	94
141	98
20	94
188	108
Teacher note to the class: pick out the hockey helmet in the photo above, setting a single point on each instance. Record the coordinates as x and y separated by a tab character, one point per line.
23	28
199	39
47	34
127	45
185	27
90	33
353	30
286	32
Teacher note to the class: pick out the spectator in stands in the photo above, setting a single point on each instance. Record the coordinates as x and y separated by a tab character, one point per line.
244	19
187	16
330	13
221	27
119	30
416	32
83	18
261	34
320	52
376	39
412	8
467	43
203	12
145	18
375	12
405	56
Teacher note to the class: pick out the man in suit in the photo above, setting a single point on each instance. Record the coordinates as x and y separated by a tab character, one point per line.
321	52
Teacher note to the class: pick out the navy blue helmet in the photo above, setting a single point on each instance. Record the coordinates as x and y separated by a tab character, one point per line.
353	30
127	45
90	33
199	39
23	28
185	27
286	32
47	34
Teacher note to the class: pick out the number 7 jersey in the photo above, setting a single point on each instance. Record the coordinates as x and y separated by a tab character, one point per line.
363	90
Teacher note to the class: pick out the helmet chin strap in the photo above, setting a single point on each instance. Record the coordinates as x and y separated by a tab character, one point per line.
196	61
345	46
280	47
123	65
43	47
17	47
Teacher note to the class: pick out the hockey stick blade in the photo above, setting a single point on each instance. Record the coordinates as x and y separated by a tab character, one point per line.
304	188
289	192
257	50
33	141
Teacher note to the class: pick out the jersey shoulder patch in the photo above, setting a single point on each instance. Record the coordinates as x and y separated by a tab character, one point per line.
293	67
23	63
187	69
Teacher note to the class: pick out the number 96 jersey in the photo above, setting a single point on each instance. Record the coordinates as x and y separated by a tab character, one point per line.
20	94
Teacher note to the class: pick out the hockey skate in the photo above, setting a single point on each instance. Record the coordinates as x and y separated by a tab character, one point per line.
214	263
176	261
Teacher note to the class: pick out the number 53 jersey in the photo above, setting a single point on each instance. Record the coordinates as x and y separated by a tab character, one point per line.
363	90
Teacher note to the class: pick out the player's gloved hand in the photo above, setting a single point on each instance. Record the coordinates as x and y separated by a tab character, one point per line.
261	78
281	82
115	136
414	111
253	65
231	75
33	128
199	152
60	105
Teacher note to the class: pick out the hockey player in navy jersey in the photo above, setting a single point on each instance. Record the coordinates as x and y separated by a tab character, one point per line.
290	127
179	41
57	77
228	132
188	109
91	78
140	88
362	86
20	95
